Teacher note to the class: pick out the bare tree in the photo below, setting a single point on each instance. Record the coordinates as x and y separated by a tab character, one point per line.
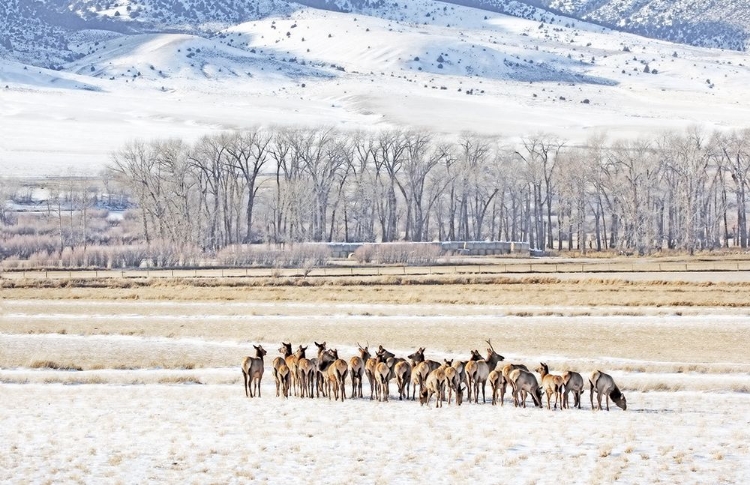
248	151
733	151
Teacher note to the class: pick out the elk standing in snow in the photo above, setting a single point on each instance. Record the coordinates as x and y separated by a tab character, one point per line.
552	384
525	382
572	382
435	384
357	370
252	371
605	385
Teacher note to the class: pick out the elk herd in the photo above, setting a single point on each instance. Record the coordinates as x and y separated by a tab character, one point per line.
325	374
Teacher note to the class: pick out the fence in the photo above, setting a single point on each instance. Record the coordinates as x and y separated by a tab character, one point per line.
509	268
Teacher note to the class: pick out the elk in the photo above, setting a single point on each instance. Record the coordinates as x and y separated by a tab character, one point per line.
319	375
291	362
506	370
390	360
460	366
421	368
551	383
402	371
277	363
382	377
495	379
525	382
434	384
478	370
573	382
370	365
304	372
282	379
336	373
453	382
357	369
252	371
605	385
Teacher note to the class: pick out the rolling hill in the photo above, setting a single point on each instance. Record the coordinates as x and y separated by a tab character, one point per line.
355	65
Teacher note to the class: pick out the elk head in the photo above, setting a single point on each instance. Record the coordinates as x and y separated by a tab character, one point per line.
363	352
259	351
285	349
449	363
301	352
493	356
384	354
543	369
321	347
417	356
475	355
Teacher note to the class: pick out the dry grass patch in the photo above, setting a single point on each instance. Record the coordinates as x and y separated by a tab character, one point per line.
180	380
433	289
48	364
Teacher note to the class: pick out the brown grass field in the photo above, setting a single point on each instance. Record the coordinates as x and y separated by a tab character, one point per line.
699	324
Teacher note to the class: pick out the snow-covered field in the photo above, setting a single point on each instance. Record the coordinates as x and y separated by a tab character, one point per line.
160	397
374	69
212	434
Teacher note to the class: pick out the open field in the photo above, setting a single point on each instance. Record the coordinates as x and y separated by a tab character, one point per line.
138	380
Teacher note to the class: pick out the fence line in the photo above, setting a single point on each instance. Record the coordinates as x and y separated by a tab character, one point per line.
539	268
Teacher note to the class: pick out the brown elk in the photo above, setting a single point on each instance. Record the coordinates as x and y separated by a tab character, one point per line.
506	370
495	378
336	373
525	382
421	368
551	383
252	371
453	382
573	381
605	385
460	366
305	372
390	360
291	362
357	369
402	371
382	374
478	370
370	365
320	378
282	379
277	363
434	385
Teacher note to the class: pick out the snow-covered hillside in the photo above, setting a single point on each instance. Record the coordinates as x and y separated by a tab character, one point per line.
703	23
427	64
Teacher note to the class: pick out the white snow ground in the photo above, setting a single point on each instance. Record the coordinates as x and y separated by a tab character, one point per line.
359	71
54	433
162	400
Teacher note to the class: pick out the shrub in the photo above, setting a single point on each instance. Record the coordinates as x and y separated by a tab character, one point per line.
398	253
303	255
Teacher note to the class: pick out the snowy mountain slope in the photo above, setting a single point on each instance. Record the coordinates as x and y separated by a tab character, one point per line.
44	32
711	23
443	67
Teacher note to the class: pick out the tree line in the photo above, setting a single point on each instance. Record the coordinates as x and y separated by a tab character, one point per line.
678	190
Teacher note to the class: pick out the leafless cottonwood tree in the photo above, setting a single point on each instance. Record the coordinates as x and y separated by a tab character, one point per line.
683	190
